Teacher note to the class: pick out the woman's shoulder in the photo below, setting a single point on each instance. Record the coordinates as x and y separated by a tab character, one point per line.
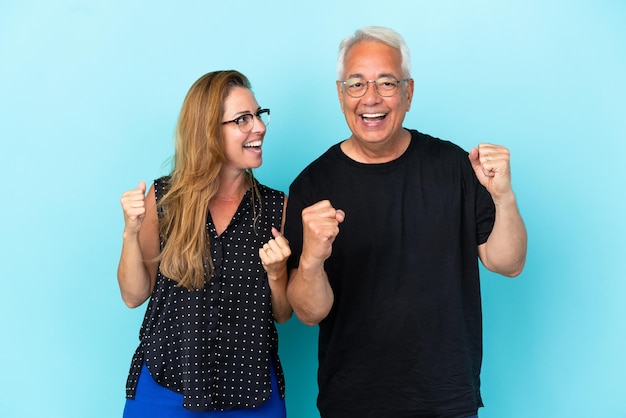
162	182
269	191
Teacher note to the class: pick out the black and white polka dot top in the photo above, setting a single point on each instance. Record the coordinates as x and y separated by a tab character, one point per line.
215	345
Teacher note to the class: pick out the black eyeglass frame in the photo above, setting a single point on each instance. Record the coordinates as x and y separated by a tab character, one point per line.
240	120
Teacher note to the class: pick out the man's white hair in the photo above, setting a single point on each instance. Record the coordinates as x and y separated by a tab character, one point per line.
380	34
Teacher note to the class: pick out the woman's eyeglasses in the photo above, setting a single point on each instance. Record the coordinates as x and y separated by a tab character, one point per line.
246	122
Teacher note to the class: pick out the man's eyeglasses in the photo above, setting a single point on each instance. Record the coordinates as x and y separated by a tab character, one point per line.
246	122
385	86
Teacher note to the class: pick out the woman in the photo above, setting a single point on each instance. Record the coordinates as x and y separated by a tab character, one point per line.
204	246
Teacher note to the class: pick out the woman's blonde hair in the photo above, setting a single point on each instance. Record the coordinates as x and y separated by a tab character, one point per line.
199	157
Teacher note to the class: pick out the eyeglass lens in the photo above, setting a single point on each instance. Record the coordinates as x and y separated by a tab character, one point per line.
246	122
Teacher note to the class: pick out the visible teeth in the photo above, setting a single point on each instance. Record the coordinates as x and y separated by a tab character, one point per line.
253	144
373	115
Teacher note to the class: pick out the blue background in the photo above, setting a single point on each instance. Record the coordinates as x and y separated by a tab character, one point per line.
89	96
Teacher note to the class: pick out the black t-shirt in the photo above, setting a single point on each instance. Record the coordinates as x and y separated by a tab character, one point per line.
404	336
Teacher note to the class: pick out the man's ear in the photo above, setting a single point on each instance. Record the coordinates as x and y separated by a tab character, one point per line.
410	88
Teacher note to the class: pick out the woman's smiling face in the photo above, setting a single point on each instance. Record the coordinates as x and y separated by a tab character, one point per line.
242	149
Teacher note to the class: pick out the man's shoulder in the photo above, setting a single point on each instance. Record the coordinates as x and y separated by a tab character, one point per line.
433	143
321	164
431	148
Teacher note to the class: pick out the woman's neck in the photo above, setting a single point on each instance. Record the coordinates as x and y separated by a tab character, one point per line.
232	188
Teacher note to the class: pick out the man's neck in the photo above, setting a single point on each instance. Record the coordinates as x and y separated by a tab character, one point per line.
376	152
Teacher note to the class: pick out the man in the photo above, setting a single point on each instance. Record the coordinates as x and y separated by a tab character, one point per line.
386	230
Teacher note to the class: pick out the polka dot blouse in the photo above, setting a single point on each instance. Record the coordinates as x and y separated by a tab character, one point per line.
214	345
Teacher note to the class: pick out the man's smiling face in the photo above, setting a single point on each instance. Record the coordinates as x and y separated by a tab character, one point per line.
373	118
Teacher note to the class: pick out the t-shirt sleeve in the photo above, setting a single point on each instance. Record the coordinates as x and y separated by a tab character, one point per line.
293	222
485	213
